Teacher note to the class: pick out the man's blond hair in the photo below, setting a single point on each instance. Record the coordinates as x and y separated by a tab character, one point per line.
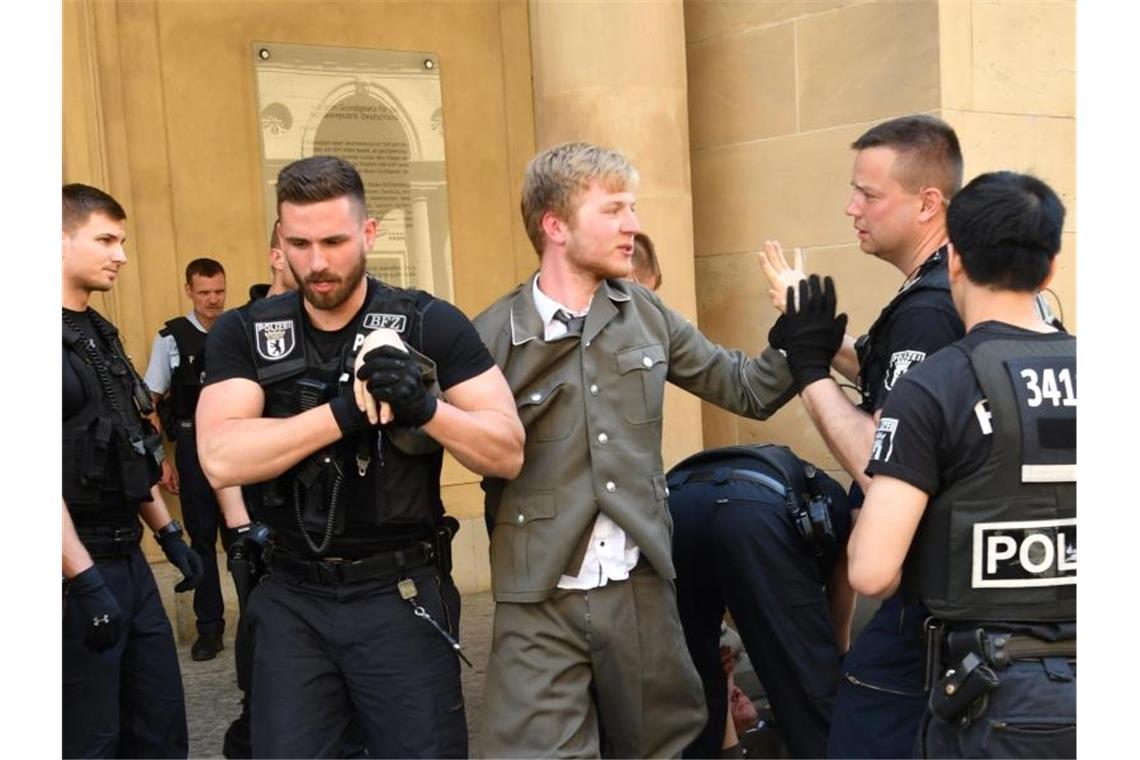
555	177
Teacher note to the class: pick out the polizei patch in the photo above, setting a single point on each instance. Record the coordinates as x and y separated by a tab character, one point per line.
1025	554
901	361
884	439
373	321
275	340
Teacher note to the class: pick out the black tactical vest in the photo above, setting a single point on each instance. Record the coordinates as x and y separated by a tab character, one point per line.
186	378
111	453
1001	544
872	349
326	490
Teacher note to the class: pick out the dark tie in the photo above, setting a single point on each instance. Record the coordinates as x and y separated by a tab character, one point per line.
573	324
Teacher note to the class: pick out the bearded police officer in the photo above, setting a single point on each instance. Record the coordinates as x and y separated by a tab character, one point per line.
358	615
972	509
122	689
904	174
174	376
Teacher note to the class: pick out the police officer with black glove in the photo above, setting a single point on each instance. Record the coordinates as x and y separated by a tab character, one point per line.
972	509
357	618
905	172
122	689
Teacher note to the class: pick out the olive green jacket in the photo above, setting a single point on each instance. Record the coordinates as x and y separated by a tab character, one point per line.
592	413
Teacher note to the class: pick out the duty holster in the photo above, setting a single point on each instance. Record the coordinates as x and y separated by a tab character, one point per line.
961	693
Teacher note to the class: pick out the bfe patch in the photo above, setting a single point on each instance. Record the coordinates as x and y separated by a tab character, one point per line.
1025	554
375	320
275	340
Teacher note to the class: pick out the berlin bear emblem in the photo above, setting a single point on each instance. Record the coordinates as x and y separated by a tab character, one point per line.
275	340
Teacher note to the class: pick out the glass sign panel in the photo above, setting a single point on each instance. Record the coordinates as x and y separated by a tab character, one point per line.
381	111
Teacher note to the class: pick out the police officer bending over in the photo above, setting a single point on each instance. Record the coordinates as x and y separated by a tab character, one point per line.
972	508
358	614
122	689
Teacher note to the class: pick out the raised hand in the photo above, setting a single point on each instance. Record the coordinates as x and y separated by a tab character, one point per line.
780	276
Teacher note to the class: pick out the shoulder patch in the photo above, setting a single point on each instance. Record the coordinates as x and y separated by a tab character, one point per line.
275	340
901	362
884	444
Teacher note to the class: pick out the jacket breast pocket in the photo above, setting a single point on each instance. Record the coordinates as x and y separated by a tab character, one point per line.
547	412
641	382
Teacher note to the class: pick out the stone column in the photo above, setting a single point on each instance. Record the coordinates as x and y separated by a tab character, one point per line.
617	78
420	244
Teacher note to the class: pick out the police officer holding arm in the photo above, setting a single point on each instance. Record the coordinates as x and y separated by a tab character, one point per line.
357	618
122	689
972	508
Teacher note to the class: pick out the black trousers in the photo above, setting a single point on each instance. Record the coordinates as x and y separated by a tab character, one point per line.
330	654
201	517
734	546
128	700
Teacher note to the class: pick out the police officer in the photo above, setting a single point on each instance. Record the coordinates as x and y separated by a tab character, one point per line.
759	531
358	615
122	689
244	546
972	509
174	376
905	172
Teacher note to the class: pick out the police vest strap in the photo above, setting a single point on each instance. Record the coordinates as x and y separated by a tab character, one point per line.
335	572
189	338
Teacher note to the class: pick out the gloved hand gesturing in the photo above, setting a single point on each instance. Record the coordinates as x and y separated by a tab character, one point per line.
393	376
101	614
184	558
812	332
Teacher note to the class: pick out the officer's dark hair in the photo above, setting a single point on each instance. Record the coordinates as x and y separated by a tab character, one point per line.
928	152
1006	228
81	201
204	268
645	262
319	178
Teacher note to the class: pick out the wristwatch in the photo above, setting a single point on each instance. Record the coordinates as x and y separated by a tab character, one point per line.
172	528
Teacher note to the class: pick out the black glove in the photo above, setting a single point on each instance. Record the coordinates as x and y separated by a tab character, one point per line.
349	417
394	376
101	614
776	336
184	558
246	542
812	332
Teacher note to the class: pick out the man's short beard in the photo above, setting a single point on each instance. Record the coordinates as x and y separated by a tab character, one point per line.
337	296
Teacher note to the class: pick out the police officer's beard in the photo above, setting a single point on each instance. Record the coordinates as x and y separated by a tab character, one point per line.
336	296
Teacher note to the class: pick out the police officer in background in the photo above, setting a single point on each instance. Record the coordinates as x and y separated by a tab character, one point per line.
174	376
122	689
358	615
904	174
760	531
972	508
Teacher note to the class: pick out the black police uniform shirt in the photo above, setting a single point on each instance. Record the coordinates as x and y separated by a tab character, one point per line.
450	341
924	322
935	427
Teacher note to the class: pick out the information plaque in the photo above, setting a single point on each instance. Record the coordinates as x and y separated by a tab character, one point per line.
380	110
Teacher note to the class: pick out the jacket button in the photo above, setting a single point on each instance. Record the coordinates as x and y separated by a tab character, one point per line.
610	486
536	397
521	519
603	438
593	390
647	361
666	490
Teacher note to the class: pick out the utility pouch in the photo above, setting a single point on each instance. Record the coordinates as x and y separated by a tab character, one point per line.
444	534
960	695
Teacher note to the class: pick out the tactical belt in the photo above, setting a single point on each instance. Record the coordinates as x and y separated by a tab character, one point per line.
331	572
721	475
102	542
1000	649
